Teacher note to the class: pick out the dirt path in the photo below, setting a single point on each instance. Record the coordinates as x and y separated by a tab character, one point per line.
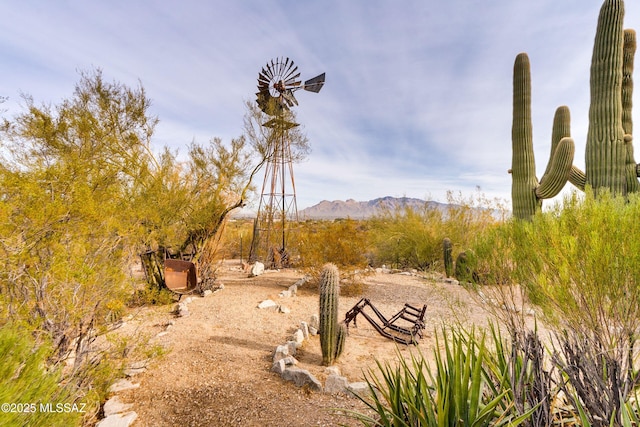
216	371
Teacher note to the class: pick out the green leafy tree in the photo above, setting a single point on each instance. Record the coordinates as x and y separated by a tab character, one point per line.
82	193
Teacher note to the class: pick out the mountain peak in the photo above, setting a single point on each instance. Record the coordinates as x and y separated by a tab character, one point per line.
359	210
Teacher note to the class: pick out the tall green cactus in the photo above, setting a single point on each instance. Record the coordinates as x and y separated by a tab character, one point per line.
447	249
606	153
332	334
526	192
610	162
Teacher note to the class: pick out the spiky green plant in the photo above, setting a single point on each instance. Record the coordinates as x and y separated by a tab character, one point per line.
447	249
332	334
458	391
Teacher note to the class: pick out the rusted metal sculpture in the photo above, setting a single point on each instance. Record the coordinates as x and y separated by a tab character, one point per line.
390	328
277	83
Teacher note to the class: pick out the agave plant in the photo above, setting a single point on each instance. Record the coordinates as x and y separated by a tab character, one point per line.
458	390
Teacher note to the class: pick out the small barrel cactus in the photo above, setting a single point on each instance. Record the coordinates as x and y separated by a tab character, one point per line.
447	249
332	334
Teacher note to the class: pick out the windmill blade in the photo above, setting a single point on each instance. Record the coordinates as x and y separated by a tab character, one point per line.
290	72
314	84
287	95
293	84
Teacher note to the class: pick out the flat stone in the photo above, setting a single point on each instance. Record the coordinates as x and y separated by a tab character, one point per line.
284	310
207	293
115	406
118	420
121	385
268	305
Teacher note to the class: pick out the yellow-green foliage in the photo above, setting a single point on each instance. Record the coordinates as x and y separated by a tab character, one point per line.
408	237
27	385
82	194
341	242
580	263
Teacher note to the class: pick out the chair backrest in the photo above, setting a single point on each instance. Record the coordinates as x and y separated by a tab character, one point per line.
179	275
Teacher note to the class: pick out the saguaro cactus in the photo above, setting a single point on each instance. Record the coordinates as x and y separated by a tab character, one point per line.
606	152
527	192
610	162
447	252
332	334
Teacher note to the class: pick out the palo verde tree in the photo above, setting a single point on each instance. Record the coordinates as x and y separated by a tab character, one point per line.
82	193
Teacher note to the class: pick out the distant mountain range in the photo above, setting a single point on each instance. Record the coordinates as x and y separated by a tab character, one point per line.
359	210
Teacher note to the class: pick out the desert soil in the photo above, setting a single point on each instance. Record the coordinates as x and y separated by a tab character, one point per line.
217	367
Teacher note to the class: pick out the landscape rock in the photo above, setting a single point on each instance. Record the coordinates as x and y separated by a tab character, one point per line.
302	281
313	331
281	352
181	309
207	293
268	305
285	294
298	337
122	385
360	388
284	310
304	327
257	269
336	384
332	370
115	406
302	377
314	322
293	289
118	420
293	347
282	364
136	368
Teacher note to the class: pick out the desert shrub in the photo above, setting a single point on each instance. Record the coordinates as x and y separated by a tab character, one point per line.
408	238
578	263
412	238
342	242
27	381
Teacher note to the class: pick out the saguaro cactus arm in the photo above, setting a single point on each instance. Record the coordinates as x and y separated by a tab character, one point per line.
559	170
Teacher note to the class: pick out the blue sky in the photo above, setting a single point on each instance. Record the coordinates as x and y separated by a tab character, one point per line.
417	99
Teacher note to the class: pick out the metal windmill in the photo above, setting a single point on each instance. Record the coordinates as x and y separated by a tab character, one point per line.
277	83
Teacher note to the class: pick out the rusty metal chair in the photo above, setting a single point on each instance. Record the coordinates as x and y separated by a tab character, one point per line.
389	328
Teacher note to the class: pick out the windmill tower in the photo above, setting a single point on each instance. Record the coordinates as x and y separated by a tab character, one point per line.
277	82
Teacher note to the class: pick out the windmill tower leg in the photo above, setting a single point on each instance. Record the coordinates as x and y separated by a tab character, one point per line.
278	206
